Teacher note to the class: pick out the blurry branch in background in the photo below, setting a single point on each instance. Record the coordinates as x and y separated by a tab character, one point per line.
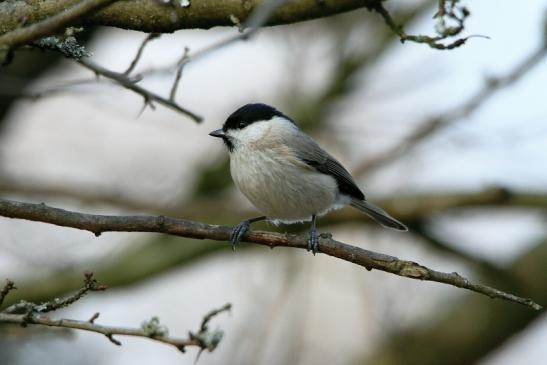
26	35
410	208
448	11
469	326
70	48
433	125
98	224
25	313
421	229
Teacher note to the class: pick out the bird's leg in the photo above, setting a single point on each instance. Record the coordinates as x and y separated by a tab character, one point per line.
241	229
313	240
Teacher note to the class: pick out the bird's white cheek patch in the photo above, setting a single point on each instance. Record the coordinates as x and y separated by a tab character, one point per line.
250	134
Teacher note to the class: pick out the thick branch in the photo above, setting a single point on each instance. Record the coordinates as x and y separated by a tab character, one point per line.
186	228
156	16
54	23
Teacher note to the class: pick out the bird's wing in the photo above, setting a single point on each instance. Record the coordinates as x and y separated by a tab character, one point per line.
310	153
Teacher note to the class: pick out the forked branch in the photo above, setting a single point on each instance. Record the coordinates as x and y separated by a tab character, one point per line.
27	313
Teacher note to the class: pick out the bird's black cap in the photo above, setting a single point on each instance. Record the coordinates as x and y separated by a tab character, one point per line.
250	113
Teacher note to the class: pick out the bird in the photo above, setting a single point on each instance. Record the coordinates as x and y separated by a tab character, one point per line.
286	175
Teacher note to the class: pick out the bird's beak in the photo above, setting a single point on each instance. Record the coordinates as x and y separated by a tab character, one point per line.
219	133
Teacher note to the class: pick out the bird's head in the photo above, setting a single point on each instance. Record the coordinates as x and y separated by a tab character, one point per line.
253	123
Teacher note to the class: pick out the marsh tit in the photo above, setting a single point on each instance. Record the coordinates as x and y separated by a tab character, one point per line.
286	175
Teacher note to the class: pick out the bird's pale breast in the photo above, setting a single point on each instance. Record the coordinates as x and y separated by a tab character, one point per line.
281	186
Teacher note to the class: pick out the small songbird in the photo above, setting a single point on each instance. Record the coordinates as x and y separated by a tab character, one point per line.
286	175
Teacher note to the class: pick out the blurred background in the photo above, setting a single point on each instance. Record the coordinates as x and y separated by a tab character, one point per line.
473	191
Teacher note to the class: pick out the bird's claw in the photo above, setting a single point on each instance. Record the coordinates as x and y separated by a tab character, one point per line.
239	232
313	241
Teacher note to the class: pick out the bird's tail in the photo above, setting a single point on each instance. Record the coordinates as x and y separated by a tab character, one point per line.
378	214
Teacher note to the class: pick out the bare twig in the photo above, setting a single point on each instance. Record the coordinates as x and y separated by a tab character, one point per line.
435	124
450	12
183	61
258	18
94	317
215	312
25	313
90	284
130	83
108	331
148	38
48	26
186	228
9	286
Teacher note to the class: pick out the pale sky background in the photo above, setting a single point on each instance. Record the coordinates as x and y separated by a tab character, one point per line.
92	139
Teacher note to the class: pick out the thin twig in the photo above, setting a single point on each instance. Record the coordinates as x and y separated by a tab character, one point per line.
48	26
131	67
130	83
9	286
454	14
252	25
25	313
191	229
435	124
215	312
183	61
91	326
90	284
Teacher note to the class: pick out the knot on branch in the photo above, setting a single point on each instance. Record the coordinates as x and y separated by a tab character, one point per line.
412	270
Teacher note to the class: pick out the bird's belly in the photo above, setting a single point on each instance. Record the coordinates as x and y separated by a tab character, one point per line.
282	188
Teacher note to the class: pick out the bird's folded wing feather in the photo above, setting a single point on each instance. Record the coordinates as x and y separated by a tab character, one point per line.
313	155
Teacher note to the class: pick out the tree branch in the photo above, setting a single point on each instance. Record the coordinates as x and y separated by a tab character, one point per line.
198	230
9	286
53	23
160	17
131	84
110	331
470	327
445	12
25	313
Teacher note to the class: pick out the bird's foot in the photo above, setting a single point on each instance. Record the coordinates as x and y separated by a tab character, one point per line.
313	241
239	232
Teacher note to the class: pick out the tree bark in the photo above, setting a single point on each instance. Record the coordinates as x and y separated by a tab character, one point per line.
153	16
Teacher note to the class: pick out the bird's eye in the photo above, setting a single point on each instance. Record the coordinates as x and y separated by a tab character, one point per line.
241	125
